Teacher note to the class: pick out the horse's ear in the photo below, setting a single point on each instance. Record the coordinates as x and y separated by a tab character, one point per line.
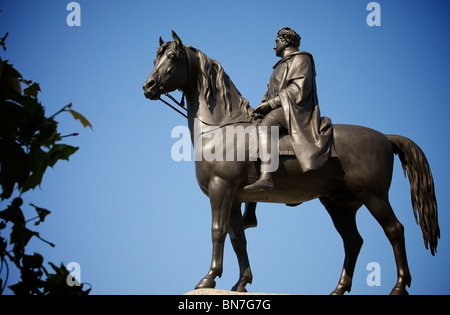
161	41
177	39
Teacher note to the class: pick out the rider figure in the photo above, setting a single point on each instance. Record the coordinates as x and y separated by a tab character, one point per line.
291	103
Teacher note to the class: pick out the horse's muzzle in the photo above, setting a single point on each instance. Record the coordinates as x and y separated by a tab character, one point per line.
150	90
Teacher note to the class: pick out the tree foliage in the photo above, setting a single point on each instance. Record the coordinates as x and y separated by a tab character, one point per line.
29	144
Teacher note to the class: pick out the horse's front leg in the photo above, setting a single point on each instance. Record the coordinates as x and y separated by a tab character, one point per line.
221	198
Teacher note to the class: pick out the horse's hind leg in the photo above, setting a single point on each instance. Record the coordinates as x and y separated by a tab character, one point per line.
343	213
249	217
382	211
239	242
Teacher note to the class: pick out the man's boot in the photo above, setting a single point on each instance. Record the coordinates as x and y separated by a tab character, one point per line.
265	181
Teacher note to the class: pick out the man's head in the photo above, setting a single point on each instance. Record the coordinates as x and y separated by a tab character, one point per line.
287	37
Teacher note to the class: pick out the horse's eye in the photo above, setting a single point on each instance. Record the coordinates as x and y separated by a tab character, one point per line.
172	57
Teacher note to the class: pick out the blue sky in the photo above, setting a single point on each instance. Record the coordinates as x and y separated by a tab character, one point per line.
135	220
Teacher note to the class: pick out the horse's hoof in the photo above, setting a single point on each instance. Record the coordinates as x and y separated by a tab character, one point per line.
340	290
337	292
399	291
239	288
206	283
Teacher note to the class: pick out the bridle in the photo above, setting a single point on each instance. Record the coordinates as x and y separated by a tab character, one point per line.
180	103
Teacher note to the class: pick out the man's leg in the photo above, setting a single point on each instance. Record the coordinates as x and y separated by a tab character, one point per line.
274	118
265	181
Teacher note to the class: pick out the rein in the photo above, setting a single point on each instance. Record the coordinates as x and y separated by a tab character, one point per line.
180	104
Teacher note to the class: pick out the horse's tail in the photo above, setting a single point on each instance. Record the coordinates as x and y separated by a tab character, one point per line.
423	199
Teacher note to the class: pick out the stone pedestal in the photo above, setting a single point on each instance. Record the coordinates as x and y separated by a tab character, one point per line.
226	292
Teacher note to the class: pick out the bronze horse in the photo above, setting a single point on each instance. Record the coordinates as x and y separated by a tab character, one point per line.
360	174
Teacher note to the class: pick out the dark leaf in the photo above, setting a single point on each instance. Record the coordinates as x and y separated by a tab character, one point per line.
47	133
13	214
20	236
42	213
32	90
37	164
14	84
19	289
14	166
57	283
33	262
11	118
60	152
9	70
3	41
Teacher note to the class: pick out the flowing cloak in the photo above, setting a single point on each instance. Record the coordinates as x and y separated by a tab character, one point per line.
293	87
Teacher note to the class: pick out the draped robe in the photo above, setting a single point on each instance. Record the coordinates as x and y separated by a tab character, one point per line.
292	87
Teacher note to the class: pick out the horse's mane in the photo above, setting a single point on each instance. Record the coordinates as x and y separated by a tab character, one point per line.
215	84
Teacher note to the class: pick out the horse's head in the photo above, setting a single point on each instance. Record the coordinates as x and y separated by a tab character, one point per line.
171	71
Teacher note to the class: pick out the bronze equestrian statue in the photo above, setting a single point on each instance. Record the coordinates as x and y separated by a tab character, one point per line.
358	173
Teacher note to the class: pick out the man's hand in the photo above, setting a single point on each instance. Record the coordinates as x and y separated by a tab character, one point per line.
263	109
